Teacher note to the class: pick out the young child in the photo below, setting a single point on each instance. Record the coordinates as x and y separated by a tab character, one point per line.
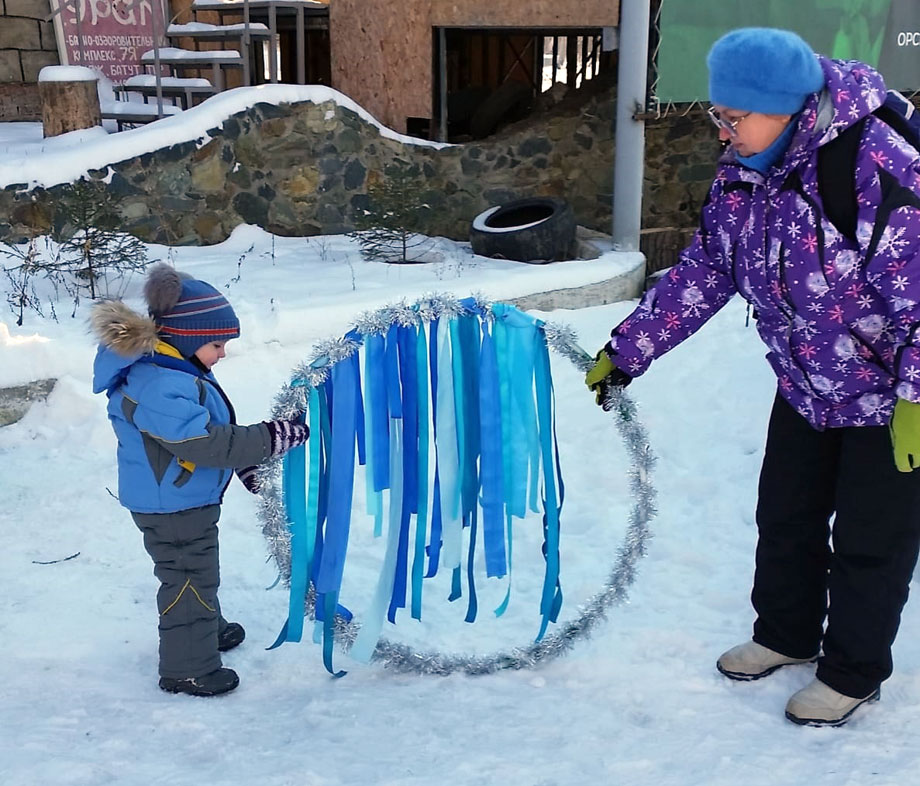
178	444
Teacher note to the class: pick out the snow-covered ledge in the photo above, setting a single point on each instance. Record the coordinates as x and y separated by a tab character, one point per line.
623	277
15	401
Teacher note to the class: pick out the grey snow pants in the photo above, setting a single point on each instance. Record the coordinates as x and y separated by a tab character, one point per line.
184	550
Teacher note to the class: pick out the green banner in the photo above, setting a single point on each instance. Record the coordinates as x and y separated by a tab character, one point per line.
882	33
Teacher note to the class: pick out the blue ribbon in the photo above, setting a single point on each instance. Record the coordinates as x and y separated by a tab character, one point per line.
551	597
421	519
434	541
468	417
472	605
345	378
375	380
409	408
329	607
490	462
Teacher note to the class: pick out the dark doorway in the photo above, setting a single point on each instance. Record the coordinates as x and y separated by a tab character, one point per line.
495	77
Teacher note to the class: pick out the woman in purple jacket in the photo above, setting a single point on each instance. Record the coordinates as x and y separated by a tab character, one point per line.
840	318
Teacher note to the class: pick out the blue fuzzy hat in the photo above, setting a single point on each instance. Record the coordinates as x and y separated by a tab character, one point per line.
762	69
188	313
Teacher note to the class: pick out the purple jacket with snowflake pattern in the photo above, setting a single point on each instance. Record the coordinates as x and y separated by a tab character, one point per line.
840	319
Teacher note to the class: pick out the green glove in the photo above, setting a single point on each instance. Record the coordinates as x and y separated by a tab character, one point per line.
602	368
905	435
603	375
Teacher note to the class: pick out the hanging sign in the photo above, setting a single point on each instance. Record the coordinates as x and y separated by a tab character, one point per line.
108	35
883	33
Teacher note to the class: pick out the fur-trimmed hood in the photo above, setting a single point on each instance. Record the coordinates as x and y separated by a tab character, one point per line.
124	337
123	330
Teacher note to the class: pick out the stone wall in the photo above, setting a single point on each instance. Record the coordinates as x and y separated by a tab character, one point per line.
27	45
27	41
304	169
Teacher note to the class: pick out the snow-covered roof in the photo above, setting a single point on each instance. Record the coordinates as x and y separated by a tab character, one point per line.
202	27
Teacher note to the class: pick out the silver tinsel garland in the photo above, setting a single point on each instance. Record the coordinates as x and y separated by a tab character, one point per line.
562	340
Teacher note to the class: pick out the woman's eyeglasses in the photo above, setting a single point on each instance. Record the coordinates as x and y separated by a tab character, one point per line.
720	122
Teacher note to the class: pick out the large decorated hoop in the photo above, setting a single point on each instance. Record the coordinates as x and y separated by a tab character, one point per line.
420	337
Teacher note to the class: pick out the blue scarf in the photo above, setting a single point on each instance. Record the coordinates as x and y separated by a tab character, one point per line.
761	162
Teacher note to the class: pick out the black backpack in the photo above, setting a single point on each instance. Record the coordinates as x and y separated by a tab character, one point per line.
837	160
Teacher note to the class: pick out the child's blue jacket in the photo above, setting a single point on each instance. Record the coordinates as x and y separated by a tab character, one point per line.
177	441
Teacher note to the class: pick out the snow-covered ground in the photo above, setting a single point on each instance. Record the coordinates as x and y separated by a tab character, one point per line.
638	703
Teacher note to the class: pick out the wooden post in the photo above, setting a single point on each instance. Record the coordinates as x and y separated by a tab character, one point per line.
69	99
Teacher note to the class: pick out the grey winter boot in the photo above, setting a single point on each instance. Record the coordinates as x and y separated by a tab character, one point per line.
231	636
213	684
751	661
818	704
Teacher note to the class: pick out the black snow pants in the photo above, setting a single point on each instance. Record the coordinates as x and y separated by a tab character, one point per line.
184	550
854	572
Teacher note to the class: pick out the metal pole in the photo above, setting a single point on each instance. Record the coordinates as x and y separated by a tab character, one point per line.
442	84
247	43
273	44
629	157
158	77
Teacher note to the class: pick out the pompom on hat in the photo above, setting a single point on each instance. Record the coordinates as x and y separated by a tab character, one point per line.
188	313
763	69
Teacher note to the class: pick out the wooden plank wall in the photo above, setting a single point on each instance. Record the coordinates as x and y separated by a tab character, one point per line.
381	57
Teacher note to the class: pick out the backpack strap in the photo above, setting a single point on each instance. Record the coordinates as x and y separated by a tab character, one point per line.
837	161
897	121
836	168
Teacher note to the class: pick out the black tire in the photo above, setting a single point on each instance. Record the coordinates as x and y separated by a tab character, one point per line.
537	229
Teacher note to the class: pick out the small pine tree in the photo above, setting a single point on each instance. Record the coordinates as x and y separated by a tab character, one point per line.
389	229
98	257
97	260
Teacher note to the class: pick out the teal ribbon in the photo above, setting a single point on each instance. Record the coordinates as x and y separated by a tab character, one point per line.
303	516
449	444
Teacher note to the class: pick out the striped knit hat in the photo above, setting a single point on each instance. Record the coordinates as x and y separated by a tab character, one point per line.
188	313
